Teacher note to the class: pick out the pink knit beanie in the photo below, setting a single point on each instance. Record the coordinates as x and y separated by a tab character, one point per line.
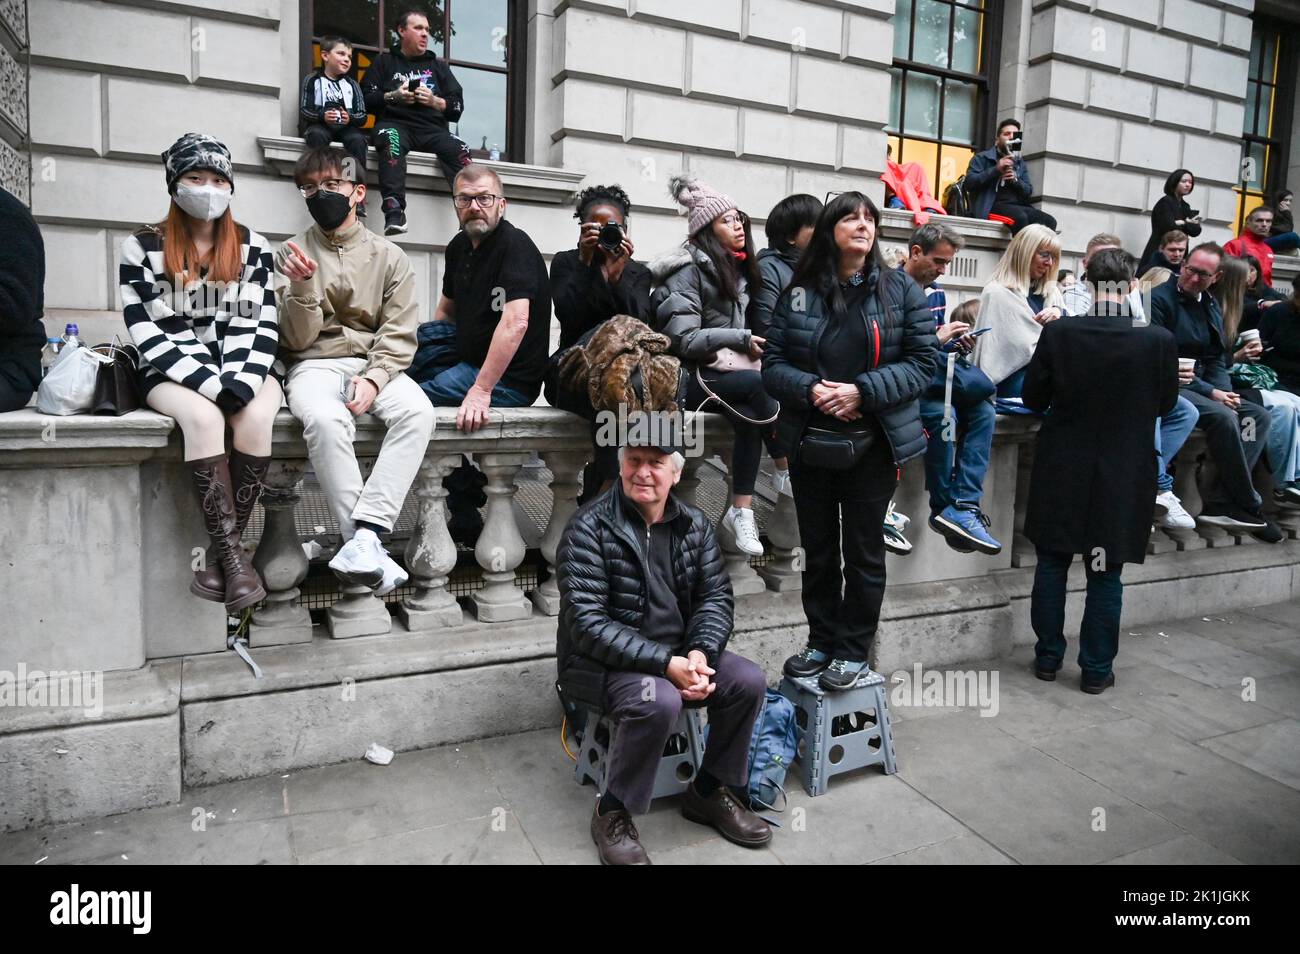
702	204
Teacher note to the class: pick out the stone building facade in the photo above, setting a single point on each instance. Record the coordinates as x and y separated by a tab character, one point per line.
759	97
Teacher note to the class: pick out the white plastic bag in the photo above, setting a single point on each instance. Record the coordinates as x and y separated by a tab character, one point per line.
69	386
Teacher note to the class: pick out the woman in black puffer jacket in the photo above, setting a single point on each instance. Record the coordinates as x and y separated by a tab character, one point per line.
850	348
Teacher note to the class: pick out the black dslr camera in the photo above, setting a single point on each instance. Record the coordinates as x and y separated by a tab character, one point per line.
611	237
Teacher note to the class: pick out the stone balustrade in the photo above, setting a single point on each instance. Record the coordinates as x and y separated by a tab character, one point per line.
98	531
100	509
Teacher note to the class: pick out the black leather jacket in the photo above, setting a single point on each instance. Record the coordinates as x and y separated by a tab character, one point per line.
601	571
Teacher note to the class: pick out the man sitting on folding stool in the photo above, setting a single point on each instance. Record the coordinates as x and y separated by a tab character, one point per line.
645	614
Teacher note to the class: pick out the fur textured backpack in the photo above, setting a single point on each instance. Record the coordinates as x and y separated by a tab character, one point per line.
624	363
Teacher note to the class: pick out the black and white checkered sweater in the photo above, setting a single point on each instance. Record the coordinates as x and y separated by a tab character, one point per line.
219	341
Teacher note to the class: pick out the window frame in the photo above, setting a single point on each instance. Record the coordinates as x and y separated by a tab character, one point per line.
515	68
1277	141
985	83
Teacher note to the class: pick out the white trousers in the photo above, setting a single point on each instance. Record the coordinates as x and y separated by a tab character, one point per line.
329	428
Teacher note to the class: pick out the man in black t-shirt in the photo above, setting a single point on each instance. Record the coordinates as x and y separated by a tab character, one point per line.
487	343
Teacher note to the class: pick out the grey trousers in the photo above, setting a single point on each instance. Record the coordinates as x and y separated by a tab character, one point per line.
645	709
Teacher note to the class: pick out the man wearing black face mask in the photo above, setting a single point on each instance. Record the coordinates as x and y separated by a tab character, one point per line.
347	330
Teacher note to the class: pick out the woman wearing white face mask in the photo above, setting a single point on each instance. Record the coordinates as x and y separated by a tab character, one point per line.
199	304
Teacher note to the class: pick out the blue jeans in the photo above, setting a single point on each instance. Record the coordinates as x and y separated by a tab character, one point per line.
448	388
1171	434
1011	386
1099	631
444	378
1283	241
955	468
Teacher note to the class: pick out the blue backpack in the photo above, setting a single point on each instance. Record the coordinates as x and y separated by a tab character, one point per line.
771	750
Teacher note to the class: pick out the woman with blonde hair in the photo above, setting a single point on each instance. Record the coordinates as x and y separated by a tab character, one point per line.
199	304
1020	298
1259	383
1230	292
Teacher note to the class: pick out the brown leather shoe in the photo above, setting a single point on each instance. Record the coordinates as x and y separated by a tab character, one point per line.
617	839
248	473
243	587
723	811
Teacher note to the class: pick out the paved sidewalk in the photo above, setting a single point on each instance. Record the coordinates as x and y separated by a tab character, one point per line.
1171	766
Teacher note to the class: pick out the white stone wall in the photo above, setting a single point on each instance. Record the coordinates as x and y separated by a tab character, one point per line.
1116	94
759	98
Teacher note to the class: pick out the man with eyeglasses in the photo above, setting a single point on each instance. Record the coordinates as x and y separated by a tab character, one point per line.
1236	430
486	346
348	329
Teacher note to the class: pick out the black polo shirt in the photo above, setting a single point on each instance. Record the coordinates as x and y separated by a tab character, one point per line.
507	260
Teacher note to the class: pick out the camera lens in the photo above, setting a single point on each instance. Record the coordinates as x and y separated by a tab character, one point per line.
611	236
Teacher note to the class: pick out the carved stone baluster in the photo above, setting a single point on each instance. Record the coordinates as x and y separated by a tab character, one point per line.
687	488
431	553
565	467
281	561
500	547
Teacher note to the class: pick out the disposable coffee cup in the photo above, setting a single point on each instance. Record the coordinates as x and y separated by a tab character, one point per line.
1248	336
1186	364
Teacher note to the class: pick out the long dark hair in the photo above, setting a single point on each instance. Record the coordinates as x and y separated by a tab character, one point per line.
819	266
1171	184
729	268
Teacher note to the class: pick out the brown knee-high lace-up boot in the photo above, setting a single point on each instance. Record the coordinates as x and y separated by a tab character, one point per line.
247	473
211	476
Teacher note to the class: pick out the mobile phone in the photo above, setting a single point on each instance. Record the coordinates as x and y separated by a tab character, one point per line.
413	85
976	334
347	388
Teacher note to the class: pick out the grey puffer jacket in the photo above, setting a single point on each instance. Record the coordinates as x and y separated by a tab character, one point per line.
688	306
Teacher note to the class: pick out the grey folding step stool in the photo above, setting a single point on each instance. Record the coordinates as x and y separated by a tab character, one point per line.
677	767
840	731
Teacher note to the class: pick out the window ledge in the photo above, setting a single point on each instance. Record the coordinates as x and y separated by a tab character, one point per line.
538	183
978	232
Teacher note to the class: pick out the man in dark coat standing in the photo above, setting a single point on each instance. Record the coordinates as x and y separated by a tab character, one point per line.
22	300
645	615
1102	381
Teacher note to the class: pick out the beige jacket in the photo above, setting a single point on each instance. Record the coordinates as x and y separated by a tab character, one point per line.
360	303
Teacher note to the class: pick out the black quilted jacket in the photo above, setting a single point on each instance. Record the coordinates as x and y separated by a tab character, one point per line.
904	355
601	573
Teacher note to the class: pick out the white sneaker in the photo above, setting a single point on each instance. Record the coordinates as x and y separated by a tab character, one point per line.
781	483
744	531
899	521
360	560
1174	517
394	576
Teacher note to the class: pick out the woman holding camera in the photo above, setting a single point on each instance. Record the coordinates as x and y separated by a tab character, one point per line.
598	279
198	301
701	304
591	284
850	349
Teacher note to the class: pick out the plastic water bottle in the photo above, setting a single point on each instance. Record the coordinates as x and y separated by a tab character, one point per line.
70	339
50	354
495	153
